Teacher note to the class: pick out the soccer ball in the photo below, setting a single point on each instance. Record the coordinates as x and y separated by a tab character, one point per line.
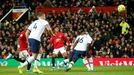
121	8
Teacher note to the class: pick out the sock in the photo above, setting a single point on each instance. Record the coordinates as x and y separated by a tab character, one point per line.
29	60
36	62
71	64
85	61
64	62
91	63
53	62
28	66
8	57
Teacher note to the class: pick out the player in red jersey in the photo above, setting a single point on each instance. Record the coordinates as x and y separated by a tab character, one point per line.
23	45
57	40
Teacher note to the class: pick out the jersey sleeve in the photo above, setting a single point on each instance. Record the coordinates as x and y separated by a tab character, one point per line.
89	39
46	23
77	38
31	26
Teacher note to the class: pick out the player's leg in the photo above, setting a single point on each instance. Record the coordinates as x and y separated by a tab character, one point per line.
28	61
69	59
85	60
55	54
86	63
91	63
34	45
74	59
90	60
65	55
36	62
26	55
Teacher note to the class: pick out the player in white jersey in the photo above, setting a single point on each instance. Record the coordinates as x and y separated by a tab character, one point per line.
80	48
34	32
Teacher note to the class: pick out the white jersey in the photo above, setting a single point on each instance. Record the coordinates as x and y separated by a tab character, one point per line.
37	28
83	41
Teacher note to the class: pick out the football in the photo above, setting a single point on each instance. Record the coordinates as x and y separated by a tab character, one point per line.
121	8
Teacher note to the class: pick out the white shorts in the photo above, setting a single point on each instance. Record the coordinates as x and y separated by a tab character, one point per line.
24	54
61	50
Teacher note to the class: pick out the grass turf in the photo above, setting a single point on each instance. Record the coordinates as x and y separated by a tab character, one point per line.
122	70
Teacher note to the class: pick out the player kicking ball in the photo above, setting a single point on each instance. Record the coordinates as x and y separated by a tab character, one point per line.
79	50
34	33
57	40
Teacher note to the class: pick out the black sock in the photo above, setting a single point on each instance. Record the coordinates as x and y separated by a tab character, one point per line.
28	66
53	62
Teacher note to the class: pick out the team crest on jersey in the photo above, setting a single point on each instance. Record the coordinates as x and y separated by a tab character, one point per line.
60	36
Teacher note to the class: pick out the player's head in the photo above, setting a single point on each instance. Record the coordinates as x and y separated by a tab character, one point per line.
82	31
56	29
41	15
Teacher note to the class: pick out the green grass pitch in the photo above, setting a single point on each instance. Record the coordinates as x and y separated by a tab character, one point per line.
76	70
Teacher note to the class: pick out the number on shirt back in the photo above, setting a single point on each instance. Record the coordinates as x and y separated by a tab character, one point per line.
35	26
81	40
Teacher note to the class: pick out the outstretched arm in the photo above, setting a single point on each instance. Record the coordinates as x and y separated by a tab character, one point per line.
49	29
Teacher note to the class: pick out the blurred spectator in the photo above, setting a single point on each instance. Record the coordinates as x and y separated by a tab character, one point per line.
48	3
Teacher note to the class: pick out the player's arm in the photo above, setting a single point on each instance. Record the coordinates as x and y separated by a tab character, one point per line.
51	41
75	43
50	46
49	29
30	29
27	33
67	39
90	42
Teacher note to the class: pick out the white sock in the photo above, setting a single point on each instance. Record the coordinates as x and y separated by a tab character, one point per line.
91	63
39	56
64	62
29	60
71	64
36	62
85	61
21	63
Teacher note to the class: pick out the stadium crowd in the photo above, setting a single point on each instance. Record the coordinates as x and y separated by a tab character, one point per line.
104	28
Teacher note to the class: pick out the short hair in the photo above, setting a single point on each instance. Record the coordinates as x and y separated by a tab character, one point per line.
40	14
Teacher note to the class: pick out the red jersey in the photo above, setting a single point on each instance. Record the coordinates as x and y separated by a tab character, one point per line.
23	41
58	40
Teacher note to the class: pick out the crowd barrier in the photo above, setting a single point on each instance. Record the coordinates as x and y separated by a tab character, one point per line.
105	9
97	62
